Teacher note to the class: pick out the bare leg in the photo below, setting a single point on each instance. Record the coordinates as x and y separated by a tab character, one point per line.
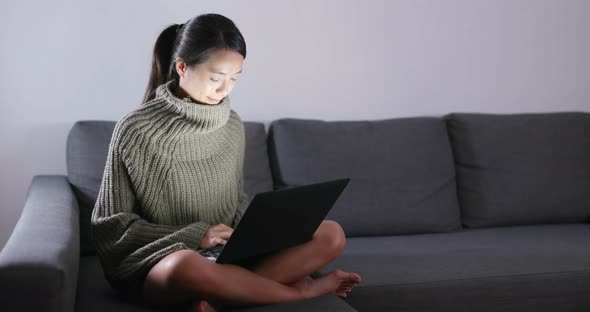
185	275
202	306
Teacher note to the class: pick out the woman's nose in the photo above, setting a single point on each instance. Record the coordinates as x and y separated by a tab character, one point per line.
223	90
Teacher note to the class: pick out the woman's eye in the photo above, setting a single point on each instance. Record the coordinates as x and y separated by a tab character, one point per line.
215	80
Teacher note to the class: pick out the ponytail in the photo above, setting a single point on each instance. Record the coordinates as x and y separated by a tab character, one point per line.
163	68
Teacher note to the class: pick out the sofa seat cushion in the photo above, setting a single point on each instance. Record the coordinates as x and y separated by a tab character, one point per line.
402	175
517	169
522	268
95	294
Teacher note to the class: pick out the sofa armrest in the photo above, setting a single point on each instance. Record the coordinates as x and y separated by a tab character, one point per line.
39	263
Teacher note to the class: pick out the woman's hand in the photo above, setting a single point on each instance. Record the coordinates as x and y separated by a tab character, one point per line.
216	234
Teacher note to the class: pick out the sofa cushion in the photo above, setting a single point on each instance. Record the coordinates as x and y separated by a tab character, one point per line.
522	168
257	175
86	154
95	294
520	268
402	178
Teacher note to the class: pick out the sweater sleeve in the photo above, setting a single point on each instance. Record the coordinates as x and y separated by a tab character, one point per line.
120	232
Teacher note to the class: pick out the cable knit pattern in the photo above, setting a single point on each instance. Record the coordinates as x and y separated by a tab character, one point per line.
173	169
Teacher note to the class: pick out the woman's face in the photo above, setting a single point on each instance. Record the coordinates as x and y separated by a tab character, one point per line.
211	81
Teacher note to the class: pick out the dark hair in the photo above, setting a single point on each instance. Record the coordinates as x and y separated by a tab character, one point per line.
193	42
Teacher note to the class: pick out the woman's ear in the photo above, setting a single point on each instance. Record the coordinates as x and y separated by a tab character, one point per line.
180	67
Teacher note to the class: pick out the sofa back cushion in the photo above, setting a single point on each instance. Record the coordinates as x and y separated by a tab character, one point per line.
86	154
402	178
522	168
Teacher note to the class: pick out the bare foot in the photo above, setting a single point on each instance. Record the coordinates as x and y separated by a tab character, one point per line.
337	282
202	306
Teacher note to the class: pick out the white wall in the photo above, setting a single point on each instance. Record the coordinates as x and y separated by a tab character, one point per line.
62	61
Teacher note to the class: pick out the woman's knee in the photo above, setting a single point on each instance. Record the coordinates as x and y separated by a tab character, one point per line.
186	264
173	270
332	236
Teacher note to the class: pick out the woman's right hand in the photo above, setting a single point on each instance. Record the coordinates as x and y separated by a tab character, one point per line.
216	234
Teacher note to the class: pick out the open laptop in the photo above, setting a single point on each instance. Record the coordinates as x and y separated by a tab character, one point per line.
276	220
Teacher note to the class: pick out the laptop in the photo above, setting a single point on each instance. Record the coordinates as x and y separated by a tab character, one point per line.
276	220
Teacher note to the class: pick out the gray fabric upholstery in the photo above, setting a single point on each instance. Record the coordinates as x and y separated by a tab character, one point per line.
86	154
402	178
94	294
39	263
257	174
520	268
327	303
522	168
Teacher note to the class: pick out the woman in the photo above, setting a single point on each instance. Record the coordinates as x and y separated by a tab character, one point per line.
173	187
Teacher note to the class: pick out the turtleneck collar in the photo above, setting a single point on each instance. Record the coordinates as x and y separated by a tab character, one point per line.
206	117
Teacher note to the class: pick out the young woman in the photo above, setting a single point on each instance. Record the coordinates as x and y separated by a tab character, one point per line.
173	187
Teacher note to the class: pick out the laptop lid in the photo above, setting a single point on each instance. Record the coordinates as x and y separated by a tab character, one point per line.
280	219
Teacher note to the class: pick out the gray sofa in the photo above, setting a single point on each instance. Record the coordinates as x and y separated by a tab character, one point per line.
462	212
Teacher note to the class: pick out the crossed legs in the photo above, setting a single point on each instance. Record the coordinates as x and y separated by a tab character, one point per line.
185	275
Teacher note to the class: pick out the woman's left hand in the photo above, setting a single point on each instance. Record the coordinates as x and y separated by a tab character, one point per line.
216	234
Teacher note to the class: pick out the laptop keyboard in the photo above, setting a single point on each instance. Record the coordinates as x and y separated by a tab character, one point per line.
212	253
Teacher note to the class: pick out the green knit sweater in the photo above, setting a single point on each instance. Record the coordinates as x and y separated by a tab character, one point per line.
174	168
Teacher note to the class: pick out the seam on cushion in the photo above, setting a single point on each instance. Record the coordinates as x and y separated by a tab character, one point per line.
474	278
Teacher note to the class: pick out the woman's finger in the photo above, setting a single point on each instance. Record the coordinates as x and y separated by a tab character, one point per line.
224	235
222	227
